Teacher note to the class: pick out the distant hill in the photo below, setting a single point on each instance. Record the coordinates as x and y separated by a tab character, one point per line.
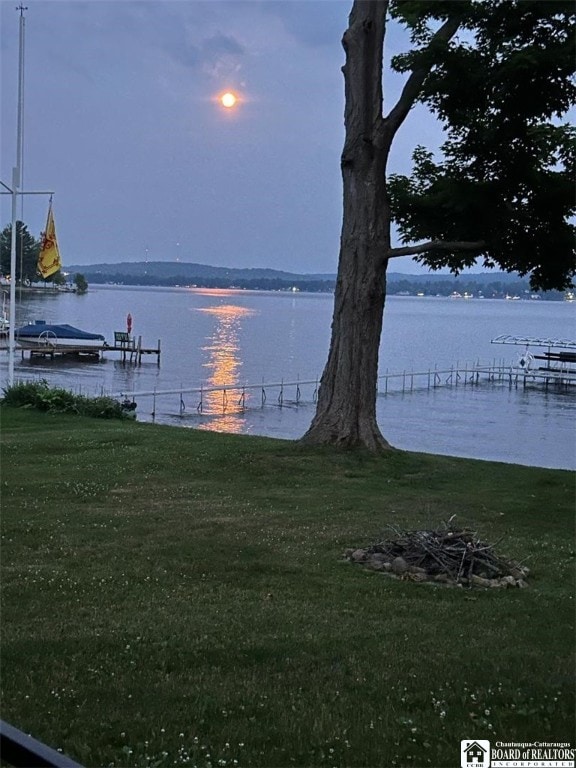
171	273
172	269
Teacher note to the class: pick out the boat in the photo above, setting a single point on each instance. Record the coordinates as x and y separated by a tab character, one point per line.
543	359
48	338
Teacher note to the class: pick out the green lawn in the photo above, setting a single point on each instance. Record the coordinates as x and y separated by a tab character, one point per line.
178	597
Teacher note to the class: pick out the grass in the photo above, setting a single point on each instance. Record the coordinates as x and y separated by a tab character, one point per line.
177	597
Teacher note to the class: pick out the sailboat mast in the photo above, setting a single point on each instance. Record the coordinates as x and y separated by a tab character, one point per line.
16	185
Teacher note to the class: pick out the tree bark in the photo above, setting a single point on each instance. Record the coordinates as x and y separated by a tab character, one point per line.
346	411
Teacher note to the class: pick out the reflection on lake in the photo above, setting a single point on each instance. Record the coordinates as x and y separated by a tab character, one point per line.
224	363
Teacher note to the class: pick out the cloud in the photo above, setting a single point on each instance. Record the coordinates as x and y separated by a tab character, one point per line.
221	45
209	53
314	23
192	35
221	55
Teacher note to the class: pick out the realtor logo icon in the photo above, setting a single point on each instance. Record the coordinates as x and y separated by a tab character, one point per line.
475	754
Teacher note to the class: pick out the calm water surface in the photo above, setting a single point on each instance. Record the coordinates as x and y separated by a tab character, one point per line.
218	338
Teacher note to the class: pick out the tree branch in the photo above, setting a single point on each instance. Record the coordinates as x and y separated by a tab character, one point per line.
413	85
436	245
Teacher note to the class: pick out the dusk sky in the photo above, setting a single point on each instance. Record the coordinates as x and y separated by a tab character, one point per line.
122	121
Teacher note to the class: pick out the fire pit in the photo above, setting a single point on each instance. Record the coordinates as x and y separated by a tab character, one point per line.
450	556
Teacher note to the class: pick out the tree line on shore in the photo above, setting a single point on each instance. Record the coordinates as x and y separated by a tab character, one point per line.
27	254
486	285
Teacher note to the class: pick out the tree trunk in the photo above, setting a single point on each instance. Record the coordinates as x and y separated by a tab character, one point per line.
346	411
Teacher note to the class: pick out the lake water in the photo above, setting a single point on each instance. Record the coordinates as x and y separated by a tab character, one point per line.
222	338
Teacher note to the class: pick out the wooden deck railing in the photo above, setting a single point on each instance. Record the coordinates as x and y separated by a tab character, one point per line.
22	751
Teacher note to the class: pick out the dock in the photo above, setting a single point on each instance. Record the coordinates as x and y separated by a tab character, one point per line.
237	397
130	350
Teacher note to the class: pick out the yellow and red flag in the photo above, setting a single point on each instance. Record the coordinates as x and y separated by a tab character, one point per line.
49	259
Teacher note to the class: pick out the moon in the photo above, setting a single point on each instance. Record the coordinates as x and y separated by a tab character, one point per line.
228	100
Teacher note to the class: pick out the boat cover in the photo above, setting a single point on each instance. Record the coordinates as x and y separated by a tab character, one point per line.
62	331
